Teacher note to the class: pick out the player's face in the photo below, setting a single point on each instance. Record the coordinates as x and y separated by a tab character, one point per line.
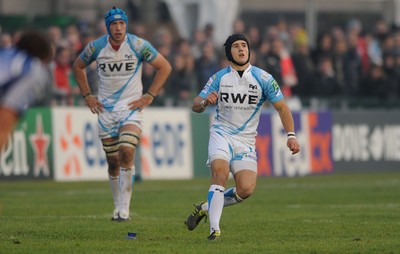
118	31
240	51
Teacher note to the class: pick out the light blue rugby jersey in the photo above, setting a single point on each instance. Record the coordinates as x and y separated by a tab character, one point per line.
24	80
240	100
120	72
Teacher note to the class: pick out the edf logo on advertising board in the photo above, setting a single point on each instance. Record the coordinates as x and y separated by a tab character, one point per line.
166	144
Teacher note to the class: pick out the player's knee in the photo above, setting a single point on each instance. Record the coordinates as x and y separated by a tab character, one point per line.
126	154
244	192
219	177
128	141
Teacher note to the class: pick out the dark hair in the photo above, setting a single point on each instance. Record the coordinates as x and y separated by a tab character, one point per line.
36	44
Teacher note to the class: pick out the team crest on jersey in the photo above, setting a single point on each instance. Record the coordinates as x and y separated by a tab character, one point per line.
138	44
265	76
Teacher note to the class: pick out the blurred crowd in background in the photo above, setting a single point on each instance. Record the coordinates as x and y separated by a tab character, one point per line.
350	66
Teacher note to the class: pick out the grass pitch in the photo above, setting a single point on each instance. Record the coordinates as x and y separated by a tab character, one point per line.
337	213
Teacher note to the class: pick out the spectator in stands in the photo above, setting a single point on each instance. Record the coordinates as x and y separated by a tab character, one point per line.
269	60
55	34
182	82
352	66
197	43
164	42
396	42
303	65
239	26
254	36
184	49
374	85
392	75
283	33
288	72
324	47
64	91
100	28
325	82
209	32
207	64
73	36
139	30
381	30
374	49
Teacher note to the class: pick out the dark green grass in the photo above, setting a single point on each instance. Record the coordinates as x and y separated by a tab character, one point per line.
338	213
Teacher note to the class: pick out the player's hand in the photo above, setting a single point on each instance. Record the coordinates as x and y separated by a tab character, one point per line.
293	145
211	98
143	102
93	104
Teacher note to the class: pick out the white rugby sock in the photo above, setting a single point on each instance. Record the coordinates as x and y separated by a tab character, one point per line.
230	198
114	184
126	180
215	206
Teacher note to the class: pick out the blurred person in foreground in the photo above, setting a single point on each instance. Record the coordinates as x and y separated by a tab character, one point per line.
238	91
25	78
120	56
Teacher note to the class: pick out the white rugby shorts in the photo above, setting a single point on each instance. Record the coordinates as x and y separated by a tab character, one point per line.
237	152
110	122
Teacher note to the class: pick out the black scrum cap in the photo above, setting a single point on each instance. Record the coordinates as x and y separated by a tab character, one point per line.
230	40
